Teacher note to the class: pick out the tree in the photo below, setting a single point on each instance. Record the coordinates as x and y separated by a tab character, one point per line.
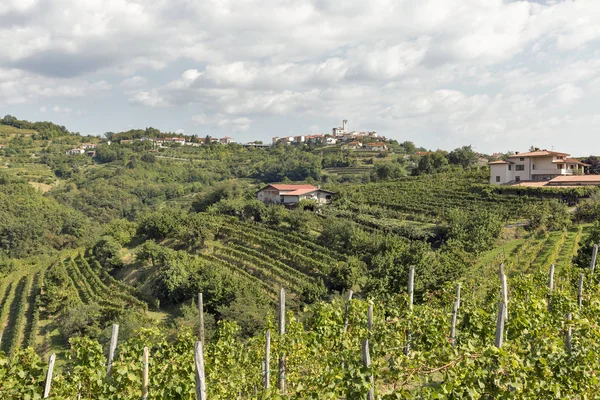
463	156
408	147
473	231
431	163
385	171
594	162
106	251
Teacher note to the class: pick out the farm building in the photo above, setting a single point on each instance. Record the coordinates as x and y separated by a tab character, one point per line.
292	194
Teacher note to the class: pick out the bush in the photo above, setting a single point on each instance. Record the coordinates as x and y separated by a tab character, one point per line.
160	224
106	251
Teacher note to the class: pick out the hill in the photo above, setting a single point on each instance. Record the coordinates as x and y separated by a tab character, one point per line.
133	234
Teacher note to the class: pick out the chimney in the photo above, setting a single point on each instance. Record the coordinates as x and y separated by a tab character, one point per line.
516	152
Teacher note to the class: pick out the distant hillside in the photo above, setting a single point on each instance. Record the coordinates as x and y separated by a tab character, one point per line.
43	130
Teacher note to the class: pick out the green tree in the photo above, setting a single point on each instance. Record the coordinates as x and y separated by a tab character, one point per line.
463	156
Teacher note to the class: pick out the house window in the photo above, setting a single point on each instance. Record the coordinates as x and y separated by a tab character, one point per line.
510	167
497	179
519	168
517	178
522	159
559	166
532	166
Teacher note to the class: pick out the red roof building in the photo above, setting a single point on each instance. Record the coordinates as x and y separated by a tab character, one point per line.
289	194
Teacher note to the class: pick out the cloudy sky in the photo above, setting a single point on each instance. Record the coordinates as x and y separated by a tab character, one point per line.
500	75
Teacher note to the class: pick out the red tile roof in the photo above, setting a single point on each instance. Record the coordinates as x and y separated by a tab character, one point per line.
576	178
500	162
540	153
286	187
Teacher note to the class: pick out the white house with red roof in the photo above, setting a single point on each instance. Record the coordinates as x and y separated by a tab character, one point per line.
538	165
287	194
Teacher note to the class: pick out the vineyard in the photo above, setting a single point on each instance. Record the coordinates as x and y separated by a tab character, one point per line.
21	305
431	196
544	346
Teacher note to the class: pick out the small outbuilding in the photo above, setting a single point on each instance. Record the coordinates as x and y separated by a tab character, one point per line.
288	194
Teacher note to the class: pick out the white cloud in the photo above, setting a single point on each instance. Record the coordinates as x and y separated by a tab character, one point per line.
567	93
150	99
62	110
134	82
239	124
437	71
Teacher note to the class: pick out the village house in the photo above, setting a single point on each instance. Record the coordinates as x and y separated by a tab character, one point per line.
353	145
174	140
1	146
73	152
226	140
290	195
375	146
88	146
537	165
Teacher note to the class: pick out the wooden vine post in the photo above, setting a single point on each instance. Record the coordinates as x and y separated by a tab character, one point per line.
457	296
49	376
281	381
145	374
113	347
347	311
201	318
411	289
370	318
199	367
504	296
569	333
500	325
267	362
580	291
367	363
453	329
594	255
550	285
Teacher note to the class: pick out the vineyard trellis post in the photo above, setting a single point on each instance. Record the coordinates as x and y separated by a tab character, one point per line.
145	374
550	285
457	296
569	333
370	318
113	347
505	296
367	363
411	287
453	329
501	270
500	325
281	381
580	291
594	255
201	318
199	367
267	362
347	311
49	375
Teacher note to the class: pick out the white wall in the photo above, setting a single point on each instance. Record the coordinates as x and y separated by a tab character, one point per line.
269	195
502	171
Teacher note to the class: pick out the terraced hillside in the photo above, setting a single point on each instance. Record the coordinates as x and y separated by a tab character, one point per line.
22	304
431	196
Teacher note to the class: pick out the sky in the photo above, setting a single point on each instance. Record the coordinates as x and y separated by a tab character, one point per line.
499	75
